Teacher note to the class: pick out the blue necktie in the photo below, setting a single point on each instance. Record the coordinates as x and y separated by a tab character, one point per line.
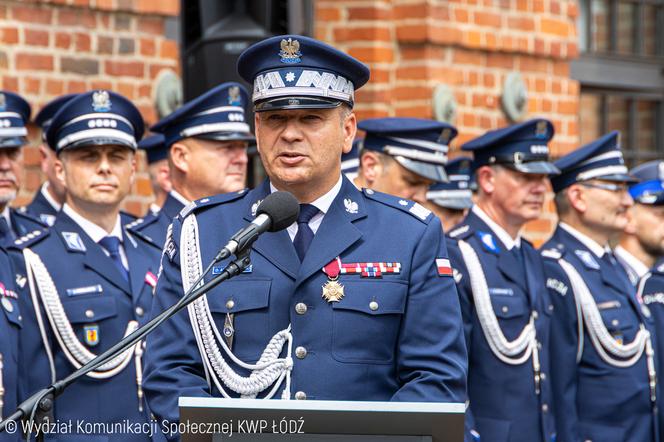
6	234
304	233
112	245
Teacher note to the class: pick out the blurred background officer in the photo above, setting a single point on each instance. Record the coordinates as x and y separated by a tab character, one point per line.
48	200
500	280
350	162
14	113
403	156
642	241
451	200
602	363
10	326
207	140
93	280
157	157
392	334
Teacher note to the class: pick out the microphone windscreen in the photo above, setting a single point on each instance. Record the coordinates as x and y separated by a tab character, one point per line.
282	208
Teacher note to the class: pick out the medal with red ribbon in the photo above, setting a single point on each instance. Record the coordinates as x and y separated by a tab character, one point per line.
333	291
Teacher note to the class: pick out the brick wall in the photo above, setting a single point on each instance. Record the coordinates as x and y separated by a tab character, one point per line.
49	48
470	45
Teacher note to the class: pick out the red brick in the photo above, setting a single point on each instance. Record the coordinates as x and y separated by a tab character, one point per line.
76	87
416	111
412	73
148	47
371	33
377	14
126	89
412	93
445	34
412	33
155	69
439	12
487	19
32	180
104	45
83	42
164	7
169	49
81	66
62	40
150	25
554	7
143	187
572	10
411	11
145	91
521	23
31	156
561	69
54	87
34	62
9	35
554	27
124	68
31	85
372	96
461	56
108	5
473	38
77	18
461	15
570	107
328	14
9	83
372	54
32	14
101	84
380	75
500	60
36	38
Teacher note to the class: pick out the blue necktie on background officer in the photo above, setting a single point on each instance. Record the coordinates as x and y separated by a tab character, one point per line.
99	298
602	364
504	301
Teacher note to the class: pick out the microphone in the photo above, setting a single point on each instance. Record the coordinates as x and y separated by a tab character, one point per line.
276	212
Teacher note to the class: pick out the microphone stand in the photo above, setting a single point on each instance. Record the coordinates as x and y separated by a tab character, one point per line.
39	405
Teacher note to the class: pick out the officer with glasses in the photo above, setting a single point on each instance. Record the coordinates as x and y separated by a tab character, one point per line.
603	373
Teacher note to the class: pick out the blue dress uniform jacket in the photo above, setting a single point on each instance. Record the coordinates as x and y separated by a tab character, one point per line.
503	399
594	400
11	320
397	337
99	303
40	208
22	223
155	225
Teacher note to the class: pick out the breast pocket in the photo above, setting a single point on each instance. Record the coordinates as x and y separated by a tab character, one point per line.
366	321
247	300
620	321
87	316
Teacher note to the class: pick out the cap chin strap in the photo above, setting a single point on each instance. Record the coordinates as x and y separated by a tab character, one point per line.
270	368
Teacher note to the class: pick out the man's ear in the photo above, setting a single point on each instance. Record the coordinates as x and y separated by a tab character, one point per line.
371	167
350	130
60	172
486	179
577	197
180	153
631	228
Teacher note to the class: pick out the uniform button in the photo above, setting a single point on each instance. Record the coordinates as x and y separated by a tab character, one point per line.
301	352
615	322
89	314
139	311
545	408
373	305
300	308
230	304
543	376
535	314
300	395
539	345
505	309
550	307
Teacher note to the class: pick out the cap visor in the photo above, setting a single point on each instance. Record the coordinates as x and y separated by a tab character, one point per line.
618	177
287	103
227	136
536	167
13	142
453	203
427	170
91	142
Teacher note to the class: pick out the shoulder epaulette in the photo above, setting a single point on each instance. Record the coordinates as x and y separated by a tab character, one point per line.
30	239
30	217
460	232
553	252
414	209
222	198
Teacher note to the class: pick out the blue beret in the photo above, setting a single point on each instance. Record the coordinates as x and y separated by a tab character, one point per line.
14	114
95	118
650	188
600	159
297	72
522	147
456	193
45	115
154	147
350	162
419	145
218	114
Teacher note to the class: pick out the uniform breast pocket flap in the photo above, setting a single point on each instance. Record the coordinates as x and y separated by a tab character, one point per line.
617	317
240	295
507	307
366	321
80	311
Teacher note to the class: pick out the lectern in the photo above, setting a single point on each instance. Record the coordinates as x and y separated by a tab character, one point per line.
215	419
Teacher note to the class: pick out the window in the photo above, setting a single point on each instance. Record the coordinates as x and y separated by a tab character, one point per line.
621	71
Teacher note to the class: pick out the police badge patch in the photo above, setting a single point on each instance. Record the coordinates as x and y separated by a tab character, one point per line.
290	51
101	101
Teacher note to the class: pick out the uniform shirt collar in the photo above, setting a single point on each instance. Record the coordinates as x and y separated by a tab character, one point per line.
95	232
179	197
632	261
590	243
6	215
44	191
324	202
502	235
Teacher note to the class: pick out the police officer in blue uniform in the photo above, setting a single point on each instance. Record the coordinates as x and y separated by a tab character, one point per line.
403	156
48	200
156	153
207	140
381	322
602	367
86	281
14	113
11	320
451	200
500	281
